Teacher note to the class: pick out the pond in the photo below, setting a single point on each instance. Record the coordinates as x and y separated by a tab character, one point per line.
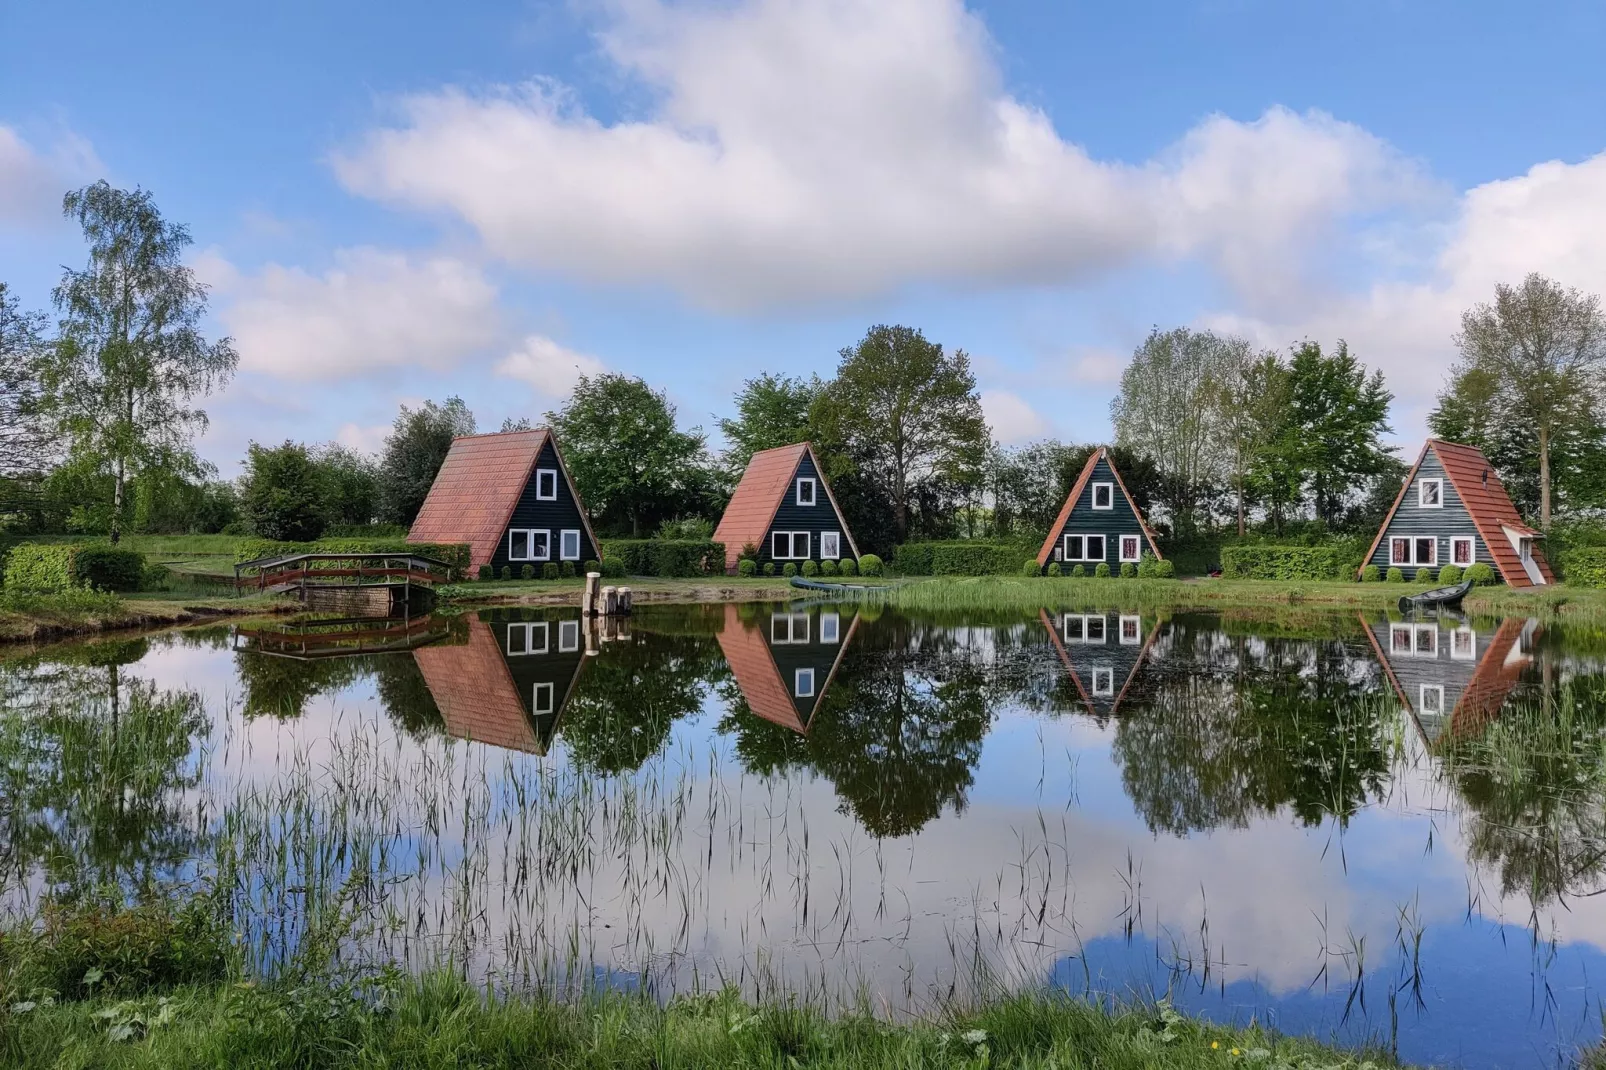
1350	826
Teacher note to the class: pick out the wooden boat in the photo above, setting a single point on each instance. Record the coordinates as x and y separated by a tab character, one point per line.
1439	596
816	585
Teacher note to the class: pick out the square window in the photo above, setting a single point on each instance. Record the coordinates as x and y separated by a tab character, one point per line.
546	484
568	636
830	627
788	628
518	640
543	698
1400	639
1427	640
1464	644
1072	627
569	545
800	545
1399	551
830	545
540	545
1073	547
805	491
1427	550
1131	548
1431	700
1461	550
1131	630
1103	683
1104	495
518	545
1095	629
781	545
1095	548
1430	494
803	683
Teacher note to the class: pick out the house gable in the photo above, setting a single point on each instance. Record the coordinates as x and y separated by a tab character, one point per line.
552	515
1102	653
786	660
767	501
1078	516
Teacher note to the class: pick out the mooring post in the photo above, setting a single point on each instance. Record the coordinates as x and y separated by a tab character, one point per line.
624	601
588	602
610	600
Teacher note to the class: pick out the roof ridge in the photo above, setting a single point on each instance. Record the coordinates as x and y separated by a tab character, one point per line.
544	430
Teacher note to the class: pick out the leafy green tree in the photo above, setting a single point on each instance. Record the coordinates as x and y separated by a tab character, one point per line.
1539	351
1028	486
1252	400
1338	417
628	701
131	358
632	465
22	342
414	452
771	411
351	484
904	419
282	493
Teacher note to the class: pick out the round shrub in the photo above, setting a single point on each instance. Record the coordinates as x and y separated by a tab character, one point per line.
769	568
567	569
613	569
1054	568
789	570
526	572
1481	574
1165	570
593	566
810	568
1128	570
487	572
1102	570
1030	567
1450	574
828	567
870	565
848	567
549	571
747	567
1396	575
1371	574
1423	575
1078	571
507	572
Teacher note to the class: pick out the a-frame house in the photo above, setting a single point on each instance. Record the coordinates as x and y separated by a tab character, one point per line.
509	684
1102	653
1453	510
784	507
1099	522
785	661
510	498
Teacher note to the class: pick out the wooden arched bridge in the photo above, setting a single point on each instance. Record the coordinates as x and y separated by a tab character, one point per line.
379	584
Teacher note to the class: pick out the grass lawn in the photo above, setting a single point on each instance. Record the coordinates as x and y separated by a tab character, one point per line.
642	588
28	617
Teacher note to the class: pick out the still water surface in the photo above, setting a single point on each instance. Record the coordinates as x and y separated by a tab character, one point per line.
1349	826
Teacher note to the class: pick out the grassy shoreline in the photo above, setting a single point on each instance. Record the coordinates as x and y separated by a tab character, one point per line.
46	618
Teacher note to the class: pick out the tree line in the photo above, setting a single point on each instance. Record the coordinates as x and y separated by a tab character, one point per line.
99	413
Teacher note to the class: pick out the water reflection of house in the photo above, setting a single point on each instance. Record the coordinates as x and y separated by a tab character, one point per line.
1102	653
508	685
1451	677
786	659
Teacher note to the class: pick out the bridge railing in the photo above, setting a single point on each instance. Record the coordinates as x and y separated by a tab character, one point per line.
341	570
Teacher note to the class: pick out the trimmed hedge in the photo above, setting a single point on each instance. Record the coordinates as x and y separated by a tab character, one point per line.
455	554
747	567
666	557
1450	574
1254	562
59	566
870	565
960	557
1584	566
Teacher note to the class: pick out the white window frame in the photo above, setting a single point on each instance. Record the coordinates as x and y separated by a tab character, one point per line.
1395	561
831	551
1471	543
1137	630
791	542
1083	634
568	636
798	678
795	635
537	706
1103	682
1137	547
1416	545
526	629
1464	644
1425	647
1402	639
541	476
814	492
528	541
1065	546
1437	691
1109	490
563	544
1422	493
830	627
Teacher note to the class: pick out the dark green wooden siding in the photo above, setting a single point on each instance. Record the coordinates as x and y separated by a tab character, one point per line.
554	516
1443	523
1116	521
557	666
816	654
814	519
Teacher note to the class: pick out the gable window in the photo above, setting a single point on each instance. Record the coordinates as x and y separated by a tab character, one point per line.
1431	700
787	629
1104	495
526	638
830	627
568	636
546	484
1083	547
1103	683
830	545
803	683
529	544
569	545
805	491
543	698
1461	550
1131	548
1430	494
789	545
1131	630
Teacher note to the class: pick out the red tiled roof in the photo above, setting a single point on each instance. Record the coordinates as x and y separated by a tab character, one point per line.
763	487
475	692
751	663
1487	503
1076	492
1498	672
478	486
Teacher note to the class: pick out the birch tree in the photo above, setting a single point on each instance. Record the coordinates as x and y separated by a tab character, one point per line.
21	343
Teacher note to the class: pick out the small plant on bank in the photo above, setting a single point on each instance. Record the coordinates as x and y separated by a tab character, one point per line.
1054	568
810	568
1423	575
789	570
593	566
486	572
1128	570
1165	570
567	569
549	571
870	565
769	568
1481	574
828	567
1396	575
747	567
1031	567
1078	571
507	572
1102	570
848	567
526	572
1450	574
1371	574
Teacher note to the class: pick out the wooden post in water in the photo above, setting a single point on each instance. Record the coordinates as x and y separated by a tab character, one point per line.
610	600
588	602
624	601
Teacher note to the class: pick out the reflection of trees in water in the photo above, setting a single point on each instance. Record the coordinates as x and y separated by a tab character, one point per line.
281	687
1533	789
1224	728
631	696
95	766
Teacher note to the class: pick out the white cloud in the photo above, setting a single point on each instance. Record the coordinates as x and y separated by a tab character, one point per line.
549	368
1098	366
1012	420
373	310
363	439
803	151
32	181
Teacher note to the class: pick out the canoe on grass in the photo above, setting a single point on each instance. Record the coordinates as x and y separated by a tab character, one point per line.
1439	596
816	585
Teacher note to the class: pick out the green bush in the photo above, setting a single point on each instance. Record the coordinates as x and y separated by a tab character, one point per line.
769	568
567	570
1102	570
550	571
1257	562
35	567
1584	566
870	565
666	557
848	567
108	568
961	557
1078	571
526	572
487	572
612	568
594	566
1423	575
913	558
810	568
1371	574
1054	568
58	566
828	567
1128	570
1030	567
789	570
1165	570
747	567
1450	574
1480	573
1396	575
507	572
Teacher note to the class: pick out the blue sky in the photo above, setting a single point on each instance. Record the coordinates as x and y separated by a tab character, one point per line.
396	201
